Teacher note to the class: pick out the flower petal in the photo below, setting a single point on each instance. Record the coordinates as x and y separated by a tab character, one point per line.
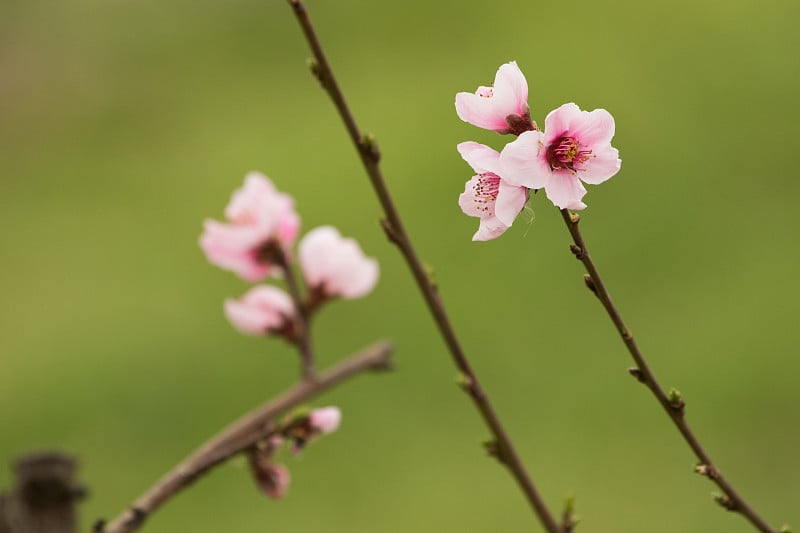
565	190
603	165
480	157
479	111
560	121
510	90
490	228
594	128
510	201
524	163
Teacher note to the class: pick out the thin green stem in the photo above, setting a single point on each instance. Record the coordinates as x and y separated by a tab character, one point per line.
672	403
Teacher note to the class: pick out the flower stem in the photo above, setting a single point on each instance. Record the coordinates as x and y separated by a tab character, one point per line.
367	149
241	435
303	339
672	403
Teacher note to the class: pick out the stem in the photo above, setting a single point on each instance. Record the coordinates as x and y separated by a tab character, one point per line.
242	434
393	226
303	338
672	403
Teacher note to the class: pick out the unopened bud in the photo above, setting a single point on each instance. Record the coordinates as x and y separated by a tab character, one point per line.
271	479
676	399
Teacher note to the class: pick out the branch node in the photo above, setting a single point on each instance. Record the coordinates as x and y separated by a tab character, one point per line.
568	517
369	144
708	471
493	449
576	250
589	282
99	526
390	232
785	529
313	66
638	374
574	218
138	516
724	501
464	382
676	401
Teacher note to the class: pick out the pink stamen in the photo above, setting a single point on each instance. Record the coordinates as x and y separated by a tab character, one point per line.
486	189
567	153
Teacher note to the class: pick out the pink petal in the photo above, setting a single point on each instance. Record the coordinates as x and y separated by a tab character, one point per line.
510	201
561	120
510	90
594	128
480	157
603	165
325	419
479	111
490	228
523	162
565	190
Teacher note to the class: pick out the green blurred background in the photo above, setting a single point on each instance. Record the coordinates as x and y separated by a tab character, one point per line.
124	124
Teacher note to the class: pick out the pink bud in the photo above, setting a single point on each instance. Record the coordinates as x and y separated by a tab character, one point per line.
259	218
325	419
262	310
272	479
336	266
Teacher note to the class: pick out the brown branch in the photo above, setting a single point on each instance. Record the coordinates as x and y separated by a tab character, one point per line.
672	402
242	434
393	226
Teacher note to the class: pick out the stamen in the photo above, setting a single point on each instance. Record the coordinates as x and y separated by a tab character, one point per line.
486	189
567	153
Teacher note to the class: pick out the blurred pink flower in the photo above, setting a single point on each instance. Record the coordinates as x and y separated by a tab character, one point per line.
325	419
575	146
262	310
488	196
335	266
502	107
259	219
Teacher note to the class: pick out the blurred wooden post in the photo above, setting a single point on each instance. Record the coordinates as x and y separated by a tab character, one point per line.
43	497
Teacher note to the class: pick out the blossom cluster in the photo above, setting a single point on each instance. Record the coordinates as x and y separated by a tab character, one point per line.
574	148
256	242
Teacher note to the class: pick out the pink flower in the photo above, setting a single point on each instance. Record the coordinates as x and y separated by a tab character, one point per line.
325	419
488	196
261	311
259	219
575	146
503	107
334	266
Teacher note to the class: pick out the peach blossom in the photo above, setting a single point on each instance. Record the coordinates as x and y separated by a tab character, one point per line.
335	266
259	219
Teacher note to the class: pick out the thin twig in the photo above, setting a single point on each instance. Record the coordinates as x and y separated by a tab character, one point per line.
242	434
672	403
393	226
303	319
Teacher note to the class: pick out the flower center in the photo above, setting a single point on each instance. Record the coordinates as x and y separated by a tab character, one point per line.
486	189
567	153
